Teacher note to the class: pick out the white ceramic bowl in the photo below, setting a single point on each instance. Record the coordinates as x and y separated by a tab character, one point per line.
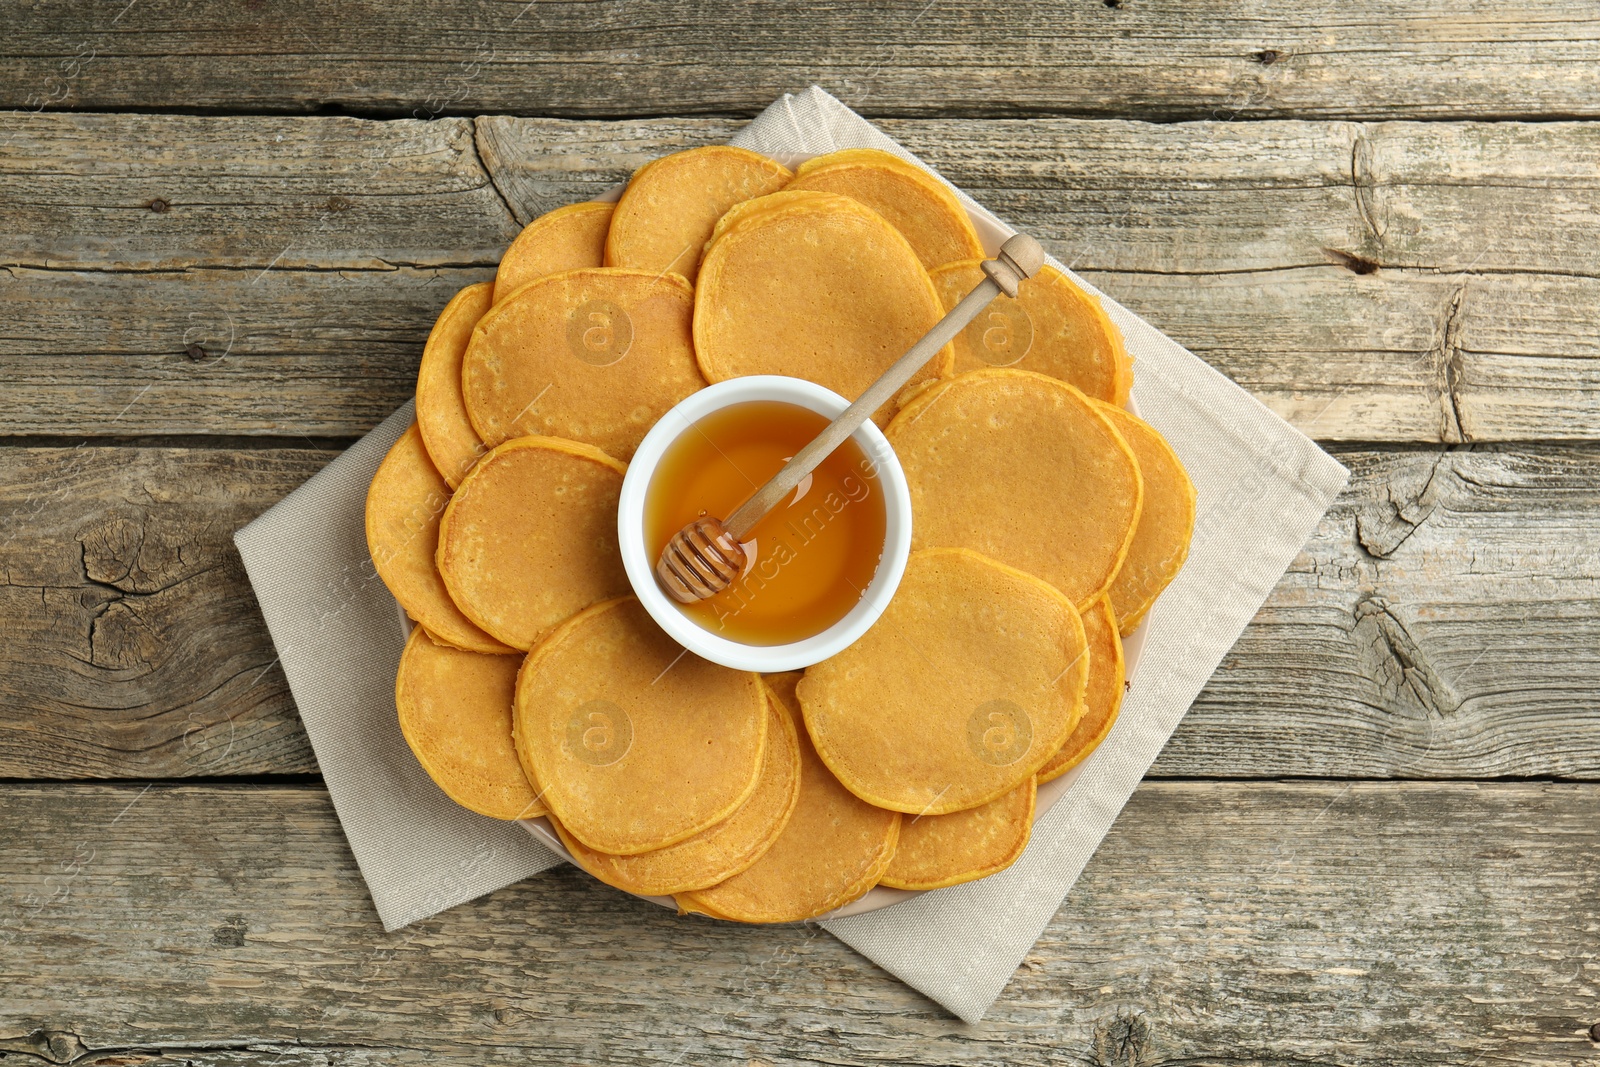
640	565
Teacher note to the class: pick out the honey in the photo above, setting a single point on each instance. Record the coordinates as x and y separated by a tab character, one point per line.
811	557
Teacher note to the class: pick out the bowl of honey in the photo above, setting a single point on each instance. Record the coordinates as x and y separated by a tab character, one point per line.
821	566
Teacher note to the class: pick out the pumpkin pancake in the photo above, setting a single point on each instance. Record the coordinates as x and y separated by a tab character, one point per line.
564	239
833	849
1024	469
404	504
595	355
633	743
530	538
941	850
713	855
972	679
814	286
1125	627
452	443
1052	327
916	203
1102	697
455	713
667	211
1161	542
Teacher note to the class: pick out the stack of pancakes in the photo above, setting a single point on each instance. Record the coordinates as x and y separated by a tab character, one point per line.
1046	519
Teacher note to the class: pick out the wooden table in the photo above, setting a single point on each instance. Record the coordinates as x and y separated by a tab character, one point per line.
1374	840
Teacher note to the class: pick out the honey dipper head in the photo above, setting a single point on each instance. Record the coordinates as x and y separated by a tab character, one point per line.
1019	258
1025	254
700	561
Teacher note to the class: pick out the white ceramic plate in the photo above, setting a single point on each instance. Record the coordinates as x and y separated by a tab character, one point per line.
992	232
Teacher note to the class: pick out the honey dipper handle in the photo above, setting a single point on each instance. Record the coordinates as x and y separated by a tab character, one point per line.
1020	257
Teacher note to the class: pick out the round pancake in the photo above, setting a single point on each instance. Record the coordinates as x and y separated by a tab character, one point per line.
530	538
593	355
971	680
452	443
814	286
916	203
455	713
671	204
1024	469
633	743
910	394
564	239
1102	697
941	850
404	505
1052	327
1166	522
713	855
1125	627
834	848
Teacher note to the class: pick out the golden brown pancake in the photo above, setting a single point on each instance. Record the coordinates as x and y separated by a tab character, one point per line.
1102	696
667	211
592	355
1166	522
404	504
941	850
455	713
916	203
814	286
970	681
564	239
1052	327
452	443
834	848
1125	627
633	743
713	855
530	538
1024	469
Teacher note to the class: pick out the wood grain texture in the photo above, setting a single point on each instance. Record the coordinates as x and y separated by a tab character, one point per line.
1441	622
282	353
134	646
1317	924
1149	58
1400	356
1378	282
1198	197
1429	285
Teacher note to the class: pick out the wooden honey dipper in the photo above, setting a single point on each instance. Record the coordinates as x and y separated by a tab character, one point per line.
705	557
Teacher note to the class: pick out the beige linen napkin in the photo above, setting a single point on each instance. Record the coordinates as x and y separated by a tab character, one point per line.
1262	488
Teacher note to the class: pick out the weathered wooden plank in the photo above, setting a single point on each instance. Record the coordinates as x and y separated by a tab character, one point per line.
1315	924
1202	197
133	644
1210	197
1393	356
1155	58
1441	622
166	192
1398	281
281	352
